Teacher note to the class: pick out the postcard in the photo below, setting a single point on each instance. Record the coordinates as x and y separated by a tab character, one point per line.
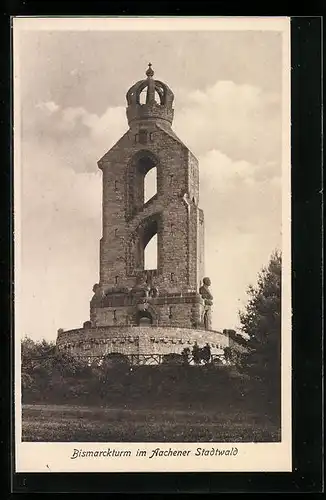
152	215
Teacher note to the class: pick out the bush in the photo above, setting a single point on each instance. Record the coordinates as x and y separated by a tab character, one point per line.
173	359
115	359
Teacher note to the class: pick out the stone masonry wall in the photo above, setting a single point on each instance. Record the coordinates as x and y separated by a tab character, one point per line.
179	176
137	340
201	245
177	315
174	211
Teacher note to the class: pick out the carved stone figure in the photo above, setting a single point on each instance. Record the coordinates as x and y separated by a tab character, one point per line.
142	304
153	292
141	287
98	294
97	290
206	319
208	301
205	291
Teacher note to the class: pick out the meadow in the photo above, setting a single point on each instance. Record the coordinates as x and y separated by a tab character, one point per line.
151	404
53	422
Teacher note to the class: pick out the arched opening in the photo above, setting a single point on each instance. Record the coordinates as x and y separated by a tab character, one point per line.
142	96
149	244
144	318
158	95
142	180
150	184
150	254
144	245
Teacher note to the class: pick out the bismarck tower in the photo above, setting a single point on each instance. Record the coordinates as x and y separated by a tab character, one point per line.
138	311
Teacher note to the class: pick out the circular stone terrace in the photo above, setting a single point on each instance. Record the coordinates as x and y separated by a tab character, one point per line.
135	341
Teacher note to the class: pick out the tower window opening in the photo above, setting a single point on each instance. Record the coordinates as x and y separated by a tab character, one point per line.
117	280
114	315
170	312
157	97
143	180
142	96
172	276
116	232
144	245
150	184
150	253
115	185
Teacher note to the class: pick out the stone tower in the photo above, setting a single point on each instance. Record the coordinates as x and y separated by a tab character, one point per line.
174	299
129	224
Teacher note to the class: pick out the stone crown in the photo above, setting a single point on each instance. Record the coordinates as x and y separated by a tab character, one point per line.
158	100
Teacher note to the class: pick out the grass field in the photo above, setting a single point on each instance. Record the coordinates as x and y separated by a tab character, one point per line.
60	423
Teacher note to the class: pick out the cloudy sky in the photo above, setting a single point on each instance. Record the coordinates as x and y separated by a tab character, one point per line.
228	111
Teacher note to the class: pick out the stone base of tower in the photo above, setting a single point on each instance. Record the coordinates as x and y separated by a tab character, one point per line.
134	341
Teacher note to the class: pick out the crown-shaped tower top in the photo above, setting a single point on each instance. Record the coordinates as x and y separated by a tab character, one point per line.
156	106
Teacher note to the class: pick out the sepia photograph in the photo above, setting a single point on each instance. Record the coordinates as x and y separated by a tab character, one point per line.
152	244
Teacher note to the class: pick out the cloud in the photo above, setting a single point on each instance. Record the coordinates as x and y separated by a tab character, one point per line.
242	210
49	107
227	174
242	121
243	191
73	135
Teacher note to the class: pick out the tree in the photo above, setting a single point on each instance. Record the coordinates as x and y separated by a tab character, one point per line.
36	357
186	355
36	366
196	354
261	320
47	372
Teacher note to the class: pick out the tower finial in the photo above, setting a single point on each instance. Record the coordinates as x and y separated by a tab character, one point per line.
150	72
158	100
